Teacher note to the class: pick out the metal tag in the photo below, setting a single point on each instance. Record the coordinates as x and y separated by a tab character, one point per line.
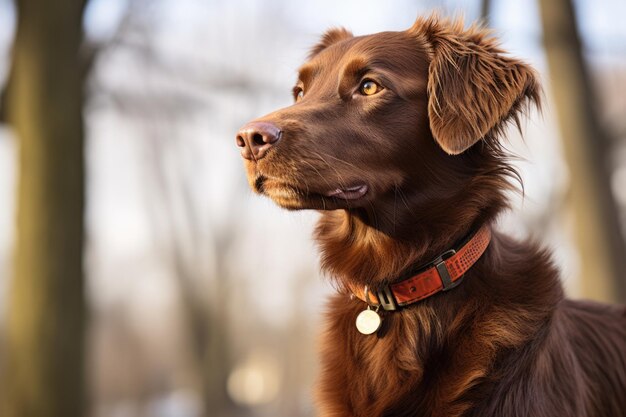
368	321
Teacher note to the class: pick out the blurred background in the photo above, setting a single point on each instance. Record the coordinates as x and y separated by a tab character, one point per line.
138	274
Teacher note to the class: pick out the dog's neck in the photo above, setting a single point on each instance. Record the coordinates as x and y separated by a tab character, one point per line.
354	251
512	312
355	254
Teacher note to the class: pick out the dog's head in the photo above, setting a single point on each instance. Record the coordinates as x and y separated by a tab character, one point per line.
392	119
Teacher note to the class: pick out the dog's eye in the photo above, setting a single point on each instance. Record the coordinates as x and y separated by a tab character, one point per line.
298	94
369	87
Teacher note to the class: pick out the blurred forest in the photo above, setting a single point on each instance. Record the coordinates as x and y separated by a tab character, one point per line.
140	277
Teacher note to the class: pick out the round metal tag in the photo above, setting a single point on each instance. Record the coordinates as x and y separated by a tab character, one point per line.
368	321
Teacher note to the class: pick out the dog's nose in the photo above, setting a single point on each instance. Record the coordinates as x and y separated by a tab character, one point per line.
256	138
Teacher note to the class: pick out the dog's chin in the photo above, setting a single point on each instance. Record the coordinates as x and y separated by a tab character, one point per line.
294	197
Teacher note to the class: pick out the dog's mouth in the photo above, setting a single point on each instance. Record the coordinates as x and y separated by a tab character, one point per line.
295	196
350	193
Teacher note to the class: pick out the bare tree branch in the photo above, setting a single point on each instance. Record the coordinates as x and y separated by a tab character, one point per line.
485	10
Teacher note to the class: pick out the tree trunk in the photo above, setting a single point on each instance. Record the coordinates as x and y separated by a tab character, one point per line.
597	228
45	334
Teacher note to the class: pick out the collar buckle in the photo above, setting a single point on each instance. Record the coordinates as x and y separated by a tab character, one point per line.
386	299
442	270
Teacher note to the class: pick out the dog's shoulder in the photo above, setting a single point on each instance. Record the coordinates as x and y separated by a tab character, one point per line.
592	316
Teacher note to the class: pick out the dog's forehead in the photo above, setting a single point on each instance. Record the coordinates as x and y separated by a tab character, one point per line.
389	50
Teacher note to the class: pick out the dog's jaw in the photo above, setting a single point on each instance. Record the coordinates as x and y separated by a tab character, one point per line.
292	195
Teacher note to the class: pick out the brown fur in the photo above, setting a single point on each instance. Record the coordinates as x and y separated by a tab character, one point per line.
505	342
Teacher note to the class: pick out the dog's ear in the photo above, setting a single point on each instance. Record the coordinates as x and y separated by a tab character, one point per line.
473	87
331	36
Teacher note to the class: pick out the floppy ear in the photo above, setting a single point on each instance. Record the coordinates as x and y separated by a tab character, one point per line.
473	88
331	36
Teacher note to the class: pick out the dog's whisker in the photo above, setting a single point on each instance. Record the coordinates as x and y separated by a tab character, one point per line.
339	160
403	198
342	183
318	173
395	206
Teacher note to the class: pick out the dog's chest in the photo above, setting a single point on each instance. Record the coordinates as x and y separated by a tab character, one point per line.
396	371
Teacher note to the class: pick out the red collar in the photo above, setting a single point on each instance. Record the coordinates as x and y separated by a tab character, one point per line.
442	274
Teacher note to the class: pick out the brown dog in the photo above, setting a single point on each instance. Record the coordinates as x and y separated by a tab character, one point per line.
394	136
